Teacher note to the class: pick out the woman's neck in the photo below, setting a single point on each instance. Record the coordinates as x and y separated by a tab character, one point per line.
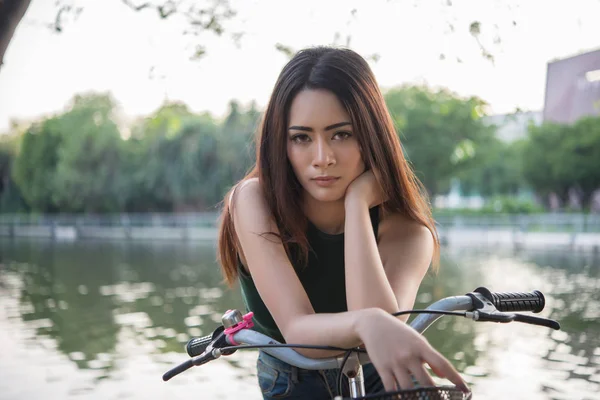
328	217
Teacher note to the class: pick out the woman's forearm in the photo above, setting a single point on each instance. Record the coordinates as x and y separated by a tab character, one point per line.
328	329
366	282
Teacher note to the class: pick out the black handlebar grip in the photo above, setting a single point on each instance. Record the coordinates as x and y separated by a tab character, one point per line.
508	302
196	346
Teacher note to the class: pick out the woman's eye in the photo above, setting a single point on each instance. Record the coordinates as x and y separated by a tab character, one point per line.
300	138
342	135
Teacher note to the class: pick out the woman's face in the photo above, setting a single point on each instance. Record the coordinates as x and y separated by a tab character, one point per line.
322	146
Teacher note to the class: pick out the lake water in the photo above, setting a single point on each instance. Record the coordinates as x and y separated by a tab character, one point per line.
105	320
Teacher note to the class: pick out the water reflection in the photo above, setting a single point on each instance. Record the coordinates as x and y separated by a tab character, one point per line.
85	294
575	278
553	364
101	304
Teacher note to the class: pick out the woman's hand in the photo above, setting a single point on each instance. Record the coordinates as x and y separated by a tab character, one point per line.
366	189
398	351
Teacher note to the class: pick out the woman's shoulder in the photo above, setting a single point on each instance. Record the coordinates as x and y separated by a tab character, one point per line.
394	226
248	189
402	240
247	201
252	184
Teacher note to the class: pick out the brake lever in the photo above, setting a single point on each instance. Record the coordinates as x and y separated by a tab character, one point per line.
211	352
485	310
510	317
203	358
178	369
528	319
217	347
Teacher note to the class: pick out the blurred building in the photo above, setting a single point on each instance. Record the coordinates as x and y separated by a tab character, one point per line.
573	88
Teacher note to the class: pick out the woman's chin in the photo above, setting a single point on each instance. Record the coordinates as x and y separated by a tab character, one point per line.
326	196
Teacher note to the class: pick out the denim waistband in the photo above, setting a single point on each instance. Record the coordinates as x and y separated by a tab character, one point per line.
275	362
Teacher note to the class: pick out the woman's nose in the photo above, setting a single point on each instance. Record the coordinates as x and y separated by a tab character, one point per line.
324	155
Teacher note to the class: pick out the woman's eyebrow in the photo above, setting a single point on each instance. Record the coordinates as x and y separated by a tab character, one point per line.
327	128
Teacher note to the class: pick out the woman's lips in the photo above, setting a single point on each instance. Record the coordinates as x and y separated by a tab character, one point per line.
325	181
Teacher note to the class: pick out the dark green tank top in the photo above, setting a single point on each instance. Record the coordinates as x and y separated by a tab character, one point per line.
323	279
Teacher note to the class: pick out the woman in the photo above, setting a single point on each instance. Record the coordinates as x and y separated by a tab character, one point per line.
330	233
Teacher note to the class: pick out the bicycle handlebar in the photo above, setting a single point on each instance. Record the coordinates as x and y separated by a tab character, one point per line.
288	354
480	305
196	346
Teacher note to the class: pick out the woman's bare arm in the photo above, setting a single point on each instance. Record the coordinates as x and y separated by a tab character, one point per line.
277	282
406	250
366	282
396	350
385	272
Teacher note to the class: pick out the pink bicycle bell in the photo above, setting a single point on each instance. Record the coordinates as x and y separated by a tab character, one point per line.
234	321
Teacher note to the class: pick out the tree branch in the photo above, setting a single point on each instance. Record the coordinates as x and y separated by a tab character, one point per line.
129	4
11	13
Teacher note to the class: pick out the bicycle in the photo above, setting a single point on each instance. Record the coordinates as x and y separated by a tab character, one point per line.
479	305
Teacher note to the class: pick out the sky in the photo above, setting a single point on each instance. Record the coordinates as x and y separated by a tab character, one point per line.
144	61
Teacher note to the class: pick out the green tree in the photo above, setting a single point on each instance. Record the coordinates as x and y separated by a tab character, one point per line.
582	150
174	160
236	145
89	175
557	159
35	166
194	177
545	163
440	132
11	199
165	122
496	169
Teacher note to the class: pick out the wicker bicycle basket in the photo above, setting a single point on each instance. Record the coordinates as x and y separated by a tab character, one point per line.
425	393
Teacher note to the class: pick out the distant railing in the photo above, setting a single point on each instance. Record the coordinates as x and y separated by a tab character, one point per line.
155	220
525	223
569	223
518	231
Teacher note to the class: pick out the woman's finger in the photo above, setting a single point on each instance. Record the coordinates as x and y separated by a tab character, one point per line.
421	375
403	378
442	367
388	380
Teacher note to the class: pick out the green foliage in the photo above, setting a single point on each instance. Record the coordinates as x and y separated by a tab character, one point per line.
83	160
236	147
35	167
178	170
189	161
440	132
88	176
11	199
511	205
496	169
71	162
583	145
160	156
543	162
560	158
495	205
173	160
165	122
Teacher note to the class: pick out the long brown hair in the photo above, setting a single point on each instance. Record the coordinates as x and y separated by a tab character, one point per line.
349	77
